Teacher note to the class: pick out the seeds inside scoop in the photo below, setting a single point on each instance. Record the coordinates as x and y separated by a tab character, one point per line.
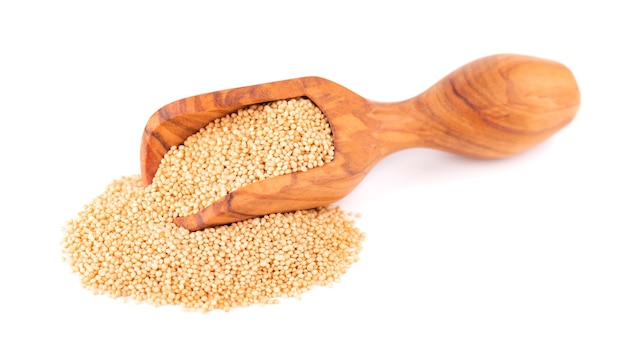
125	244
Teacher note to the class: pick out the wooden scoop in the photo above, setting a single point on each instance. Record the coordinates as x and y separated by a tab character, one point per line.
494	107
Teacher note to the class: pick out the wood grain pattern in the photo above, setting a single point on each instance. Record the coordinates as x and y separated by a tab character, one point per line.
494	107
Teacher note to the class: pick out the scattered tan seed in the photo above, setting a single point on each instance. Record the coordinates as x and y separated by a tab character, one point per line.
124	243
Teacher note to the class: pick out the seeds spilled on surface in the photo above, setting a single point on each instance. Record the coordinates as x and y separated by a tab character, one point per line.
125	244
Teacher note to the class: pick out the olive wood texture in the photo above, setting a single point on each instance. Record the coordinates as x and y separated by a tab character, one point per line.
493	107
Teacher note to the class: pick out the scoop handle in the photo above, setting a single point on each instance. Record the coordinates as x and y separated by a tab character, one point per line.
493	107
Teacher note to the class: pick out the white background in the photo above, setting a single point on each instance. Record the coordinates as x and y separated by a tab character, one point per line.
524	251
